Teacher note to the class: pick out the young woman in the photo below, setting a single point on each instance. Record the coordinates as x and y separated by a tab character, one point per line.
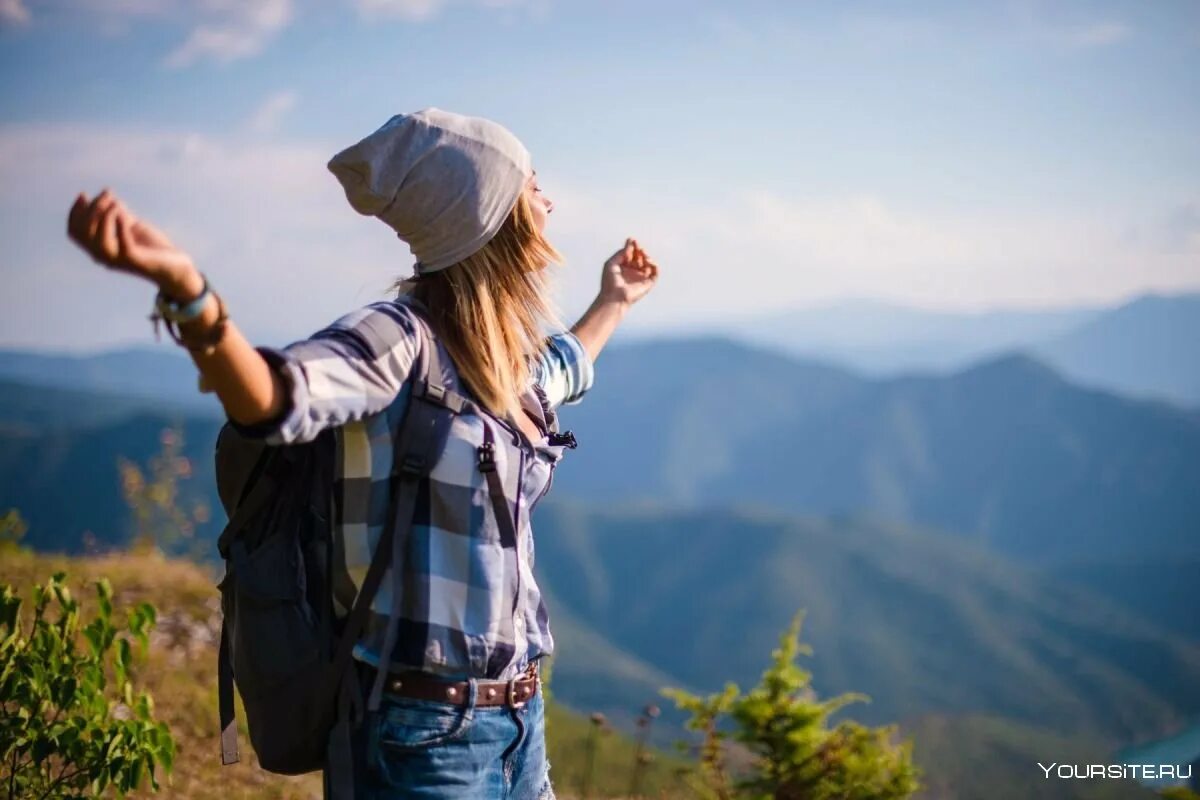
461	713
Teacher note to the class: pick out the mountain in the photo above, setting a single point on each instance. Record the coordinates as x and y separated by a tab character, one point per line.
1148	347
162	376
921	622
657	590
881	338
30	409
1006	453
1164	592
982	758
66	483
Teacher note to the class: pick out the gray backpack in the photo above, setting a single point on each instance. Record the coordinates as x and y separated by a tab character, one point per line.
281	643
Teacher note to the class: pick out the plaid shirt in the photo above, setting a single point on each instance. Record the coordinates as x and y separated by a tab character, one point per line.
460	597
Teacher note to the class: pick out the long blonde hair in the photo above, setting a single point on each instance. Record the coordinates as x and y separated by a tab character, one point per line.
490	310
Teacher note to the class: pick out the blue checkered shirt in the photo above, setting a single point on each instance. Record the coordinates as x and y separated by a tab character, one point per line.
461	593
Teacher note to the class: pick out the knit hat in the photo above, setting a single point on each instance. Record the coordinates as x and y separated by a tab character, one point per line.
444	182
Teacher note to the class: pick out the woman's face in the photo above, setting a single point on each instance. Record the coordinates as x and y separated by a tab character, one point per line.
538	202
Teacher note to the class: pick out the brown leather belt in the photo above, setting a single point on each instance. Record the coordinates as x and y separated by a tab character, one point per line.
422	686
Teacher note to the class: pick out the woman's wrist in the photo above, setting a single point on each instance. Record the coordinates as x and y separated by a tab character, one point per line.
183	287
604	300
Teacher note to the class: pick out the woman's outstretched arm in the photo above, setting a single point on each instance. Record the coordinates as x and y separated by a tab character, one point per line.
628	275
247	387
352	368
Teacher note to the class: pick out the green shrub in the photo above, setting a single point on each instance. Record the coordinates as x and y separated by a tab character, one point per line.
12	530
165	514
72	725
793	752
1179	793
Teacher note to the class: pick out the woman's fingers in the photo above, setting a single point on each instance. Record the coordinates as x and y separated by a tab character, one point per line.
108	245
125	239
95	213
633	256
102	226
77	217
96	226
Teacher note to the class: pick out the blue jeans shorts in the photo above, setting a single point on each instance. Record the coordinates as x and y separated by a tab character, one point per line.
426	750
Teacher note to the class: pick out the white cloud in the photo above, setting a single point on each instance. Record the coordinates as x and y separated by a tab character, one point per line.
272	229
14	12
421	10
219	30
237	29
752	252
1098	34
265	220
267	117
225	30
413	10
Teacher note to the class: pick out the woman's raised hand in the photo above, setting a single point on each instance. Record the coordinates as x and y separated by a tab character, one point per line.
107	231
628	274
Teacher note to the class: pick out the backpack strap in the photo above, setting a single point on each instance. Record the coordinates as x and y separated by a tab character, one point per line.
225	707
418	443
417	446
422	434
505	517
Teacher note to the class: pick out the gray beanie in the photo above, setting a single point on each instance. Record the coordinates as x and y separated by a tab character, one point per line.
444	182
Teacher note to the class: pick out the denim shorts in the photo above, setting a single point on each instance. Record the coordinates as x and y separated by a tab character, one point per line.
426	750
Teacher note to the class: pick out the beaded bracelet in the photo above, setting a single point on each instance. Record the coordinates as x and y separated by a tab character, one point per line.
173	311
171	315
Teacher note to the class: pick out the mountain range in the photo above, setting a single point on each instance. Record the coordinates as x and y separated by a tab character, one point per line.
921	622
996	544
1144	347
1006	453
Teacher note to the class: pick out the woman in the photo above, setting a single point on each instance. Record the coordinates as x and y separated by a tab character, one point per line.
461	192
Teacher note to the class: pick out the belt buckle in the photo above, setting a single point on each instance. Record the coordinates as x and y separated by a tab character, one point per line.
510	688
510	694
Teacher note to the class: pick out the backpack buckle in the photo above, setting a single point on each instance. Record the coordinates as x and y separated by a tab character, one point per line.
487	457
564	439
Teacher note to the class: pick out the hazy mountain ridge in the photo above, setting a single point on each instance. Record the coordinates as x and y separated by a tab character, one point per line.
1145	347
159	375
1148	347
1006	451
921	622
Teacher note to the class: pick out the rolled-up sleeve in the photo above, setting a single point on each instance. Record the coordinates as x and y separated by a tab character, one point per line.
351	369
564	370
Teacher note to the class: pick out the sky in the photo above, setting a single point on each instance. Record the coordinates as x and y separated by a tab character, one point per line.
769	156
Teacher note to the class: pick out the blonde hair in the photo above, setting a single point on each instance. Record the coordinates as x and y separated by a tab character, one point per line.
490	310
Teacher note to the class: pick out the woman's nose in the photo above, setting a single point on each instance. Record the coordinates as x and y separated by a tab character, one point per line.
549	205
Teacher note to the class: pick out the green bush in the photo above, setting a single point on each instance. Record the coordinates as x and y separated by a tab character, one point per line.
12	530
793	752
72	725
165	514
1179	793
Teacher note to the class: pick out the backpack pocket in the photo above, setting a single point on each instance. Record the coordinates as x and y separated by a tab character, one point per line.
273	633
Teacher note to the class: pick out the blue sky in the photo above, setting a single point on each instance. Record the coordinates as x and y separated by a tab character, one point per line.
770	155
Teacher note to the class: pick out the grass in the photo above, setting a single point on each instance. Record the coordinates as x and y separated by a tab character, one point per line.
180	673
